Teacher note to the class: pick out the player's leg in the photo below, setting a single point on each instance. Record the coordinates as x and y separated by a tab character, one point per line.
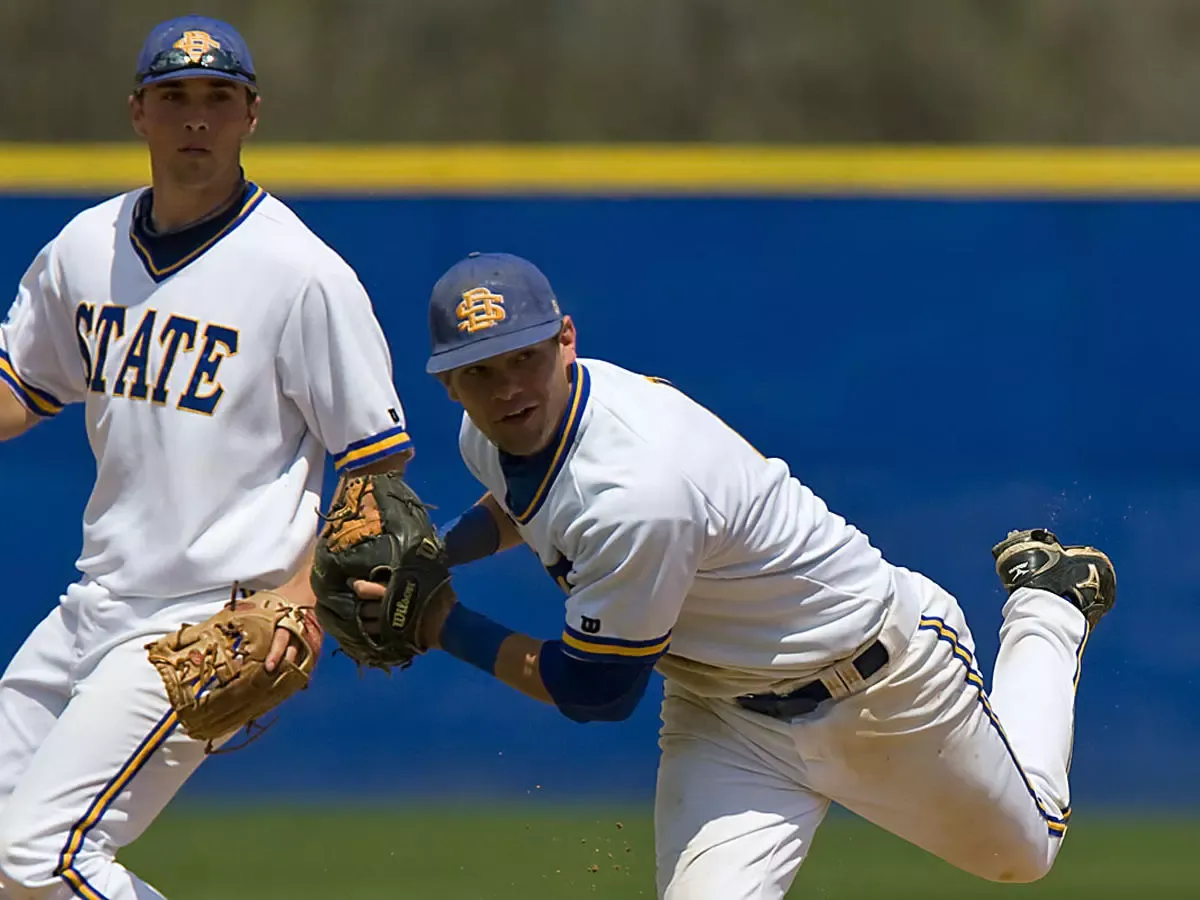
925	754
1041	648
108	767
919	755
34	691
732	822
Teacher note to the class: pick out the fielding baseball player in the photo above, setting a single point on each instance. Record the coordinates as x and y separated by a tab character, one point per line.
801	667
220	349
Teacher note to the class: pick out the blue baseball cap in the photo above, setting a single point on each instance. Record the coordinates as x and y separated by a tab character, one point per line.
486	305
194	47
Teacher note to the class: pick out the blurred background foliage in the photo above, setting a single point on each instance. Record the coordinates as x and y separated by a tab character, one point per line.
897	71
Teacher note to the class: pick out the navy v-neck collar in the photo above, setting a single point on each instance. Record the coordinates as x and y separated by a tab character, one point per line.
528	479
163	255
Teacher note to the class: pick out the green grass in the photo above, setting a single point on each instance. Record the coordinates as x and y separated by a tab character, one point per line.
531	853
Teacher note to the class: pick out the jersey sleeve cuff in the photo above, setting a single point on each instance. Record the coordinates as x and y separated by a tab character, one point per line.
372	449
38	402
611	649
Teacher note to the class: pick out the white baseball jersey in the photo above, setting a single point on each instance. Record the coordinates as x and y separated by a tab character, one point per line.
674	536
676	540
214	384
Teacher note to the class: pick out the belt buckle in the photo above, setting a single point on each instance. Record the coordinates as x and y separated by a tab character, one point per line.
797	703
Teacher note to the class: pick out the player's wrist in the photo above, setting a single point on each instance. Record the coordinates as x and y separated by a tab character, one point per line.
301	599
471	536
473	637
433	620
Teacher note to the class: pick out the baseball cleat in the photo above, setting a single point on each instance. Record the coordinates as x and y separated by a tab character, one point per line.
1082	575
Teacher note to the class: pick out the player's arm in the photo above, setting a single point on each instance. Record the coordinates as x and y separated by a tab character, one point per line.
43	362
481	531
636	554
15	417
333	363
298	589
583	690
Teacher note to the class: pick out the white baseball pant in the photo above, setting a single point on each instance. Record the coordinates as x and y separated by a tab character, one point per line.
89	750
923	752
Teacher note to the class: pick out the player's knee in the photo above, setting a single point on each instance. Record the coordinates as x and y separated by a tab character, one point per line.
1017	874
1022	864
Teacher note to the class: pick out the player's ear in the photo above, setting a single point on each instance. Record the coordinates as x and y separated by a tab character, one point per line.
566	340
448	384
252	111
137	113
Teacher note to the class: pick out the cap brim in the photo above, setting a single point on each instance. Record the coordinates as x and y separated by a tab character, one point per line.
197	73
486	348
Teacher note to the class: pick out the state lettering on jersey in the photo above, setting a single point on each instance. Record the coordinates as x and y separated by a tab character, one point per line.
137	360
150	353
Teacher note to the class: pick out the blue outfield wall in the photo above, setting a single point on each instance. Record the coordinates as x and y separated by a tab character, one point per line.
939	370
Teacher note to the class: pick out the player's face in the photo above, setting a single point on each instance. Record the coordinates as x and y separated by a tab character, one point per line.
517	399
194	127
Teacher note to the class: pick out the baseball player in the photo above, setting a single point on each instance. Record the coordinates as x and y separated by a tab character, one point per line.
801	667
221	350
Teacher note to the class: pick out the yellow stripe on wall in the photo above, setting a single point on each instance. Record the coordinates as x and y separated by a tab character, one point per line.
637	169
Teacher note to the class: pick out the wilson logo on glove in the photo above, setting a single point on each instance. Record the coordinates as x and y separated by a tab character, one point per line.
377	530
400	616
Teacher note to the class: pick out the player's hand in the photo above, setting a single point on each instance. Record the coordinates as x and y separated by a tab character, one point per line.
371	594
283	647
286	646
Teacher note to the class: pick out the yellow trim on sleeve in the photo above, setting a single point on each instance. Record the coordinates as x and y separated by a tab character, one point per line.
28	392
391	442
614	649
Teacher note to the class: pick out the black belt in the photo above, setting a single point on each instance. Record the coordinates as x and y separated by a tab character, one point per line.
807	698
